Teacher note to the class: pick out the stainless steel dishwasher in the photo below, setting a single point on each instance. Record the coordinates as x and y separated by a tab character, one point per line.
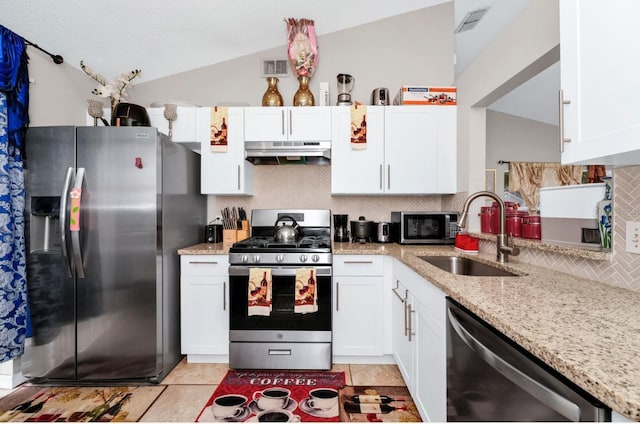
490	378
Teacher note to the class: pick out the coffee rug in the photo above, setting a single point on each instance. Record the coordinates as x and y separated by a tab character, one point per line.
38	403
271	396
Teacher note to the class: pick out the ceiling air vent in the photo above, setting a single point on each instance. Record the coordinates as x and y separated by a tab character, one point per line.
471	19
275	68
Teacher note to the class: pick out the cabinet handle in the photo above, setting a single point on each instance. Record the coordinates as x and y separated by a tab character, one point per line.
358	262
224	295
203	263
406	321
562	102
282	117
337	296
388	177
410	326
381	177
238	177
290	122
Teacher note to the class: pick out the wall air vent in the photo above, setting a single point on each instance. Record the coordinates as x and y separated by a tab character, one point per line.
471	19
275	68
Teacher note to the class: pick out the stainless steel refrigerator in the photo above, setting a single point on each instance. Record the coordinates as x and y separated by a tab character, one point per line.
106	210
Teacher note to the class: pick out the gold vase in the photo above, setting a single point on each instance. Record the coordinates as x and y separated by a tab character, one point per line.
303	96
272	96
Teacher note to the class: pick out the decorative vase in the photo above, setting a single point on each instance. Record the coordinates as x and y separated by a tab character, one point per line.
272	96
303	96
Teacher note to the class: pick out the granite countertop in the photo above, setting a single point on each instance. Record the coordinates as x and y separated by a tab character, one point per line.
586	330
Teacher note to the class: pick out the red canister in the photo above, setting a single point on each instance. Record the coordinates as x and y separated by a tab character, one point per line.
514	225
485	219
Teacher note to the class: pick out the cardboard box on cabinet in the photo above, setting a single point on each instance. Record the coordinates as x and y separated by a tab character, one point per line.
424	95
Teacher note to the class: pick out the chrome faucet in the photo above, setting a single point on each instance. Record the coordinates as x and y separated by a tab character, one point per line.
503	247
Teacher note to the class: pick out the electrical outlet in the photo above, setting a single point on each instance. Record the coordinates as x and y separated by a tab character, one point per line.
633	237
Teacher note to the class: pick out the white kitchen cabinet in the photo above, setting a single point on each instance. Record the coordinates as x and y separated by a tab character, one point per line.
358	314
403	351
600	80
204	313
224	173
410	150
419	341
287	123
357	171
183	129
430	383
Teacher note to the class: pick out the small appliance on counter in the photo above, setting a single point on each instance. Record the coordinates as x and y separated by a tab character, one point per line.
361	231
345	85
213	231
340	231
424	227
382	232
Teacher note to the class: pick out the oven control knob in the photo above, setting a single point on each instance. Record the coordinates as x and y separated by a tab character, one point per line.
256	259
303	258
280	258
315	258
245	259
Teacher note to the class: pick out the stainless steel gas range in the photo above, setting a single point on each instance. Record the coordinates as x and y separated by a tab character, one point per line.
280	292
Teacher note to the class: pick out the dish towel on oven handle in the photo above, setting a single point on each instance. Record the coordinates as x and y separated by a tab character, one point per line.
306	291
259	292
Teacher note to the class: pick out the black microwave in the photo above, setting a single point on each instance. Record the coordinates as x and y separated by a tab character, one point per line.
424	227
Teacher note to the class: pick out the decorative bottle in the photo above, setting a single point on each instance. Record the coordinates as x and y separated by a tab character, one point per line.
272	96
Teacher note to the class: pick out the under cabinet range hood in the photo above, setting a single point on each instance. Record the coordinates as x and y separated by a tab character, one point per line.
288	152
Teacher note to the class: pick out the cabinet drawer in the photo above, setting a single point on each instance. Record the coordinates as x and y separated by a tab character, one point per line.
358	265
204	265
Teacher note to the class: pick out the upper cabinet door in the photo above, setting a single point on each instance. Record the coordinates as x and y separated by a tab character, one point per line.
224	173
357	171
288	123
420	149
600	83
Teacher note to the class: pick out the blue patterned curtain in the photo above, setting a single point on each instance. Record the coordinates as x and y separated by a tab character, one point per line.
14	118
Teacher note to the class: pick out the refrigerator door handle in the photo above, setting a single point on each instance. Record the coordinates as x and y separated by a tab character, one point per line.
64	197
74	222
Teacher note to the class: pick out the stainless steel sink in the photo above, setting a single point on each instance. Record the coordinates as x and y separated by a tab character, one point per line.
466	266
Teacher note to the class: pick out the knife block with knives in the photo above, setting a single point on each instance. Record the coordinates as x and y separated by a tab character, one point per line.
235	226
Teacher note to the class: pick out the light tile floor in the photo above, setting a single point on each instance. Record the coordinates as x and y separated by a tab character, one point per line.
189	386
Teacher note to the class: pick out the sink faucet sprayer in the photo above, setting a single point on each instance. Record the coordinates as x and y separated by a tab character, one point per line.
503	247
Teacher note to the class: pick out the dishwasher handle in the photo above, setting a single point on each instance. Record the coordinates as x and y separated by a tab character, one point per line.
553	400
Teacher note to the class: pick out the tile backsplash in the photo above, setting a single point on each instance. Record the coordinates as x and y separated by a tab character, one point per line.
309	186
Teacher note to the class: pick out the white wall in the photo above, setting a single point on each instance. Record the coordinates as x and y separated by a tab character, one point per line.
413	48
526	48
58	94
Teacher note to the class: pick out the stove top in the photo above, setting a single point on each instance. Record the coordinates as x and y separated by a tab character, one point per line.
313	245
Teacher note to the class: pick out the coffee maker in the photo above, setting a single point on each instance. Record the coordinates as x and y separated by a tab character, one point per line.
340	231
345	85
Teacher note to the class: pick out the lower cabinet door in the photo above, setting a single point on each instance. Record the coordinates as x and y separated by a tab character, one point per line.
402	345
358	318
204	315
430	390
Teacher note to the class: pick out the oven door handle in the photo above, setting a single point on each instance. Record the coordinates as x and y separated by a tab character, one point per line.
323	271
